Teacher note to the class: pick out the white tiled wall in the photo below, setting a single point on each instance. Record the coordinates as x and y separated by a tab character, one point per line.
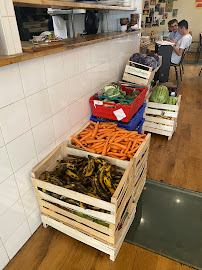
9	35
44	101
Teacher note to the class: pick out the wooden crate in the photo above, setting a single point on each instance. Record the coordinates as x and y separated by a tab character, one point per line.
118	214
138	73
161	125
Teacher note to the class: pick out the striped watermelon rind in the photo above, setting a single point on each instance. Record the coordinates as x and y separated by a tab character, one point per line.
159	94
172	100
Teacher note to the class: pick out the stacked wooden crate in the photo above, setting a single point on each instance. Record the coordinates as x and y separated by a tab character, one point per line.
115	216
161	118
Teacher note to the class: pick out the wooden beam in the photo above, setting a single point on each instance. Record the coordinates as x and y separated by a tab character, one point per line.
67	5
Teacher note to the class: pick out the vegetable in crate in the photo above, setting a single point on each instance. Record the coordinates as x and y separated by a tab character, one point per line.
172	100
137	57
91	176
113	91
109	140
150	62
159	94
154	55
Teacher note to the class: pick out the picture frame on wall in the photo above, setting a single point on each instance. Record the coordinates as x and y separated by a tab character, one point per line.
161	10
162	22
157	6
148	20
162	1
165	16
152	2
169	6
156	20
146	4
151	12
146	12
175	12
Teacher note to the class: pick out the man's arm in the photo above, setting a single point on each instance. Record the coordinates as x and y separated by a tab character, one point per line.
179	51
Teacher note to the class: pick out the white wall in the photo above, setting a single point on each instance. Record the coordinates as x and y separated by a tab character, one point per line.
111	19
44	101
187	11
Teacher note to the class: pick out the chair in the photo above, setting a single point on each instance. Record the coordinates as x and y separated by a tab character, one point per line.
180	65
198	52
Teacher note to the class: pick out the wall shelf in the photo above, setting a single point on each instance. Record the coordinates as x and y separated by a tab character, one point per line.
67	5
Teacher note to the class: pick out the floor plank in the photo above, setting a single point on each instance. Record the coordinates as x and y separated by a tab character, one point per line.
145	259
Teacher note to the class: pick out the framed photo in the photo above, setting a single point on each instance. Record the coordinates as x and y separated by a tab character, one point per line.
146	4
151	12
175	12
165	16
162	22
157	6
148	20
156	20
146	12
162	1
161	10
169	6
152	2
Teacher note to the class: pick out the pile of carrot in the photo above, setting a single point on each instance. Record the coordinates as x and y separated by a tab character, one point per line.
108	139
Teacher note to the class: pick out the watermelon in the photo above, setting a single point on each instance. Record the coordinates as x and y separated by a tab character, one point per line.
159	94
172	100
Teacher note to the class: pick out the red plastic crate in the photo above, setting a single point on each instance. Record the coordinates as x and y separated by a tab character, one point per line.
100	110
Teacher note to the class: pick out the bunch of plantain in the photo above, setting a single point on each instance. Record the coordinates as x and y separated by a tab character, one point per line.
91	176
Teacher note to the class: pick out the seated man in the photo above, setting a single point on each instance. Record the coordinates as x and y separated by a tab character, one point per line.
182	43
173	28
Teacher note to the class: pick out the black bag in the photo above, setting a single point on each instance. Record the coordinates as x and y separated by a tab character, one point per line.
91	22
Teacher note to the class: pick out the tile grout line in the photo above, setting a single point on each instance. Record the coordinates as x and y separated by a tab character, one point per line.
29	160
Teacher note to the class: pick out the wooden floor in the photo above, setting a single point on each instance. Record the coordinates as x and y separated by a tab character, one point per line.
177	162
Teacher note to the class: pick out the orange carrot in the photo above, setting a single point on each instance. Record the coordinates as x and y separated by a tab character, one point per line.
134	150
104	150
117	154
86	136
94	141
81	145
114	136
129	155
92	122
128	147
120	138
119	145
133	145
95	130
97	145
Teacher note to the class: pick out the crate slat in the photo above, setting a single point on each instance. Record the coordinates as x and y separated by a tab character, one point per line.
74	195
158	131
159	126
75	217
161	112
159	120
102	216
80	227
78	235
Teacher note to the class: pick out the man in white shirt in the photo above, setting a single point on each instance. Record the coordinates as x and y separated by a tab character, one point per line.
181	44
173	28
